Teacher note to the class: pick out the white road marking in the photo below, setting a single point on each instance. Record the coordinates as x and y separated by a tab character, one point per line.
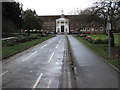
49	84
58	84
37	81
3	73
59	41
57	46
44	46
29	56
51	56
31	71
69	80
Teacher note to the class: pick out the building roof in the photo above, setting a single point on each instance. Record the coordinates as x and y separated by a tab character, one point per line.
62	19
54	17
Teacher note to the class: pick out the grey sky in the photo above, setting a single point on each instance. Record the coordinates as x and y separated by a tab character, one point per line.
55	7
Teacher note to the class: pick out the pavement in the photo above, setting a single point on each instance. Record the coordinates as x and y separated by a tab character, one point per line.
90	70
37	67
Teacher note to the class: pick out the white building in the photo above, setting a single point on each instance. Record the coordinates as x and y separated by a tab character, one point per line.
62	25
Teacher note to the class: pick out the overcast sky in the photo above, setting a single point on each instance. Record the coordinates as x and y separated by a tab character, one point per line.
55	7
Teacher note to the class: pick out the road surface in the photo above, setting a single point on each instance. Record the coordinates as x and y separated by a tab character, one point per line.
38	67
47	65
91	70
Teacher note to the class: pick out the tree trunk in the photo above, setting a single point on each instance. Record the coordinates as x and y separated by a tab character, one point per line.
28	32
112	43
78	32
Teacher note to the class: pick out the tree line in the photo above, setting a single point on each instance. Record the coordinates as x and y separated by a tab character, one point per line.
14	18
98	14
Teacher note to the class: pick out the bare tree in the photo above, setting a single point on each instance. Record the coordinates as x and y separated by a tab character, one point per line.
111	9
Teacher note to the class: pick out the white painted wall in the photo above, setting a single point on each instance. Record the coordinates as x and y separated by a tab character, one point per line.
62	22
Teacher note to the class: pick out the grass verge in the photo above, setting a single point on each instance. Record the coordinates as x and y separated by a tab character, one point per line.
9	50
103	36
100	49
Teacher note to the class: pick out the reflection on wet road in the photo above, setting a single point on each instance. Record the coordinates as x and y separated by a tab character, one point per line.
38	67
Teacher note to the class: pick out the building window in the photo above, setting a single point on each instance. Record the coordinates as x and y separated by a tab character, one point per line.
101	29
96	29
88	29
62	22
92	29
84	29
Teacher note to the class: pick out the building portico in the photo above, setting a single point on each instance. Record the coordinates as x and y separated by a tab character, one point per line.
62	25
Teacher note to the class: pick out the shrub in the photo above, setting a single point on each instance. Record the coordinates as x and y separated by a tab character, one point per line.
83	35
94	41
97	41
19	39
85	38
10	43
105	41
34	37
89	37
90	40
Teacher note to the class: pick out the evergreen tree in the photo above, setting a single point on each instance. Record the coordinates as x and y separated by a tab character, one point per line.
11	16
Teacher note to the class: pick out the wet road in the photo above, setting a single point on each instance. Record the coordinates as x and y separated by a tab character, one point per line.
45	66
38	67
91	70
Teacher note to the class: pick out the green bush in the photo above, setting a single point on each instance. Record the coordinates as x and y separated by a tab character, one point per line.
97	41
88	37
11	43
19	39
90	40
83	35
105	41
85	38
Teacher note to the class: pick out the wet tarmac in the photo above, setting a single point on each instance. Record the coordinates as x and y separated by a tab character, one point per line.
48	65
38	67
91	70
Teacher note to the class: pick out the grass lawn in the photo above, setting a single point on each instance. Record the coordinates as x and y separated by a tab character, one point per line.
103	36
8	50
101	50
